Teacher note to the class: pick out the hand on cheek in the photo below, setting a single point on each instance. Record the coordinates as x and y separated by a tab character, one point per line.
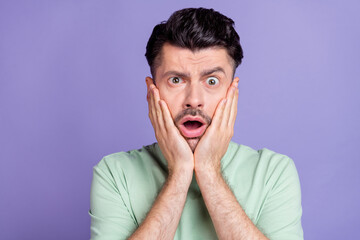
173	146
214	143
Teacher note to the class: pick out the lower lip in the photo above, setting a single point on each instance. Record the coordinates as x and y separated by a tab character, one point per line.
192	133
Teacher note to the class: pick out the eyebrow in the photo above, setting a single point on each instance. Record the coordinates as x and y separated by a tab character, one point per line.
211	71
205	72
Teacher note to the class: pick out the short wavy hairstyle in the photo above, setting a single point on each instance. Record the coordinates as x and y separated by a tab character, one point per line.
195	29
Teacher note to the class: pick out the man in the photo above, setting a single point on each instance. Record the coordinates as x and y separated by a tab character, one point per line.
194	183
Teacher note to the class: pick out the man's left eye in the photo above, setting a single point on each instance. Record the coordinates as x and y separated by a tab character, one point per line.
212	81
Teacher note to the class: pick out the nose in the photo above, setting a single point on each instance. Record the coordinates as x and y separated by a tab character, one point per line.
194	96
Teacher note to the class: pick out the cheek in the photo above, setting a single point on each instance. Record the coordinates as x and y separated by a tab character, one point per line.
172	101
173	108
212	103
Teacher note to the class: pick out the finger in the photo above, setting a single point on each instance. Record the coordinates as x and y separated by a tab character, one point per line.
233	112
223	103
227	110
157	108
168	120
152	114
151	103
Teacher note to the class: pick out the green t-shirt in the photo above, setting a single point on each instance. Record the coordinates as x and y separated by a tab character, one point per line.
126	184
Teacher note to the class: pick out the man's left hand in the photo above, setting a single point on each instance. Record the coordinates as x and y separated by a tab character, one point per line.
214	143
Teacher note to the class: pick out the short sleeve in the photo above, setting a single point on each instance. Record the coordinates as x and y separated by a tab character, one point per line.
110	213
280	218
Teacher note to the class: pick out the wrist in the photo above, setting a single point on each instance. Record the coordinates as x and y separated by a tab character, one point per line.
208	168
182	176
208	175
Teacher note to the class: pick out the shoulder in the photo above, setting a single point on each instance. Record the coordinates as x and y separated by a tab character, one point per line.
264	162
132	161
277	164
263	156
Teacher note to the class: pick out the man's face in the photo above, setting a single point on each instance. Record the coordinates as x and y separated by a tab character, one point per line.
192	84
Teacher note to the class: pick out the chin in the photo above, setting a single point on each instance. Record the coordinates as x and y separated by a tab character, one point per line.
193	143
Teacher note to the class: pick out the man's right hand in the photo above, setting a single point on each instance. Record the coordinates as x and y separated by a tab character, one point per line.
163	218
173	145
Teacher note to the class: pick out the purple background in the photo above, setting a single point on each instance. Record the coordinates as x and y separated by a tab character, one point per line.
72	89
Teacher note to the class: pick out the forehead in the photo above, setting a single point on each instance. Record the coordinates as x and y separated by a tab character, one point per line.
186	60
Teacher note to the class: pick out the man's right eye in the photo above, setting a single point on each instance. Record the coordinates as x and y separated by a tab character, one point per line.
175	80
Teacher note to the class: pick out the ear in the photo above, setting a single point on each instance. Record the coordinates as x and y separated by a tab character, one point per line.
149	81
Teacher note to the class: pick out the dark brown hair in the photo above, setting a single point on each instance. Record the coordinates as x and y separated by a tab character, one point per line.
195	29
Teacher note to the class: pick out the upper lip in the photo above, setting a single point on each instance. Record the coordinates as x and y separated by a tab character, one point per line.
192	118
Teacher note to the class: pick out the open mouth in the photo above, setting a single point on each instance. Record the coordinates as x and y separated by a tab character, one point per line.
191	127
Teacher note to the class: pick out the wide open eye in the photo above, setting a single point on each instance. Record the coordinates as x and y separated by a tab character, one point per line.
175	80
212	81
